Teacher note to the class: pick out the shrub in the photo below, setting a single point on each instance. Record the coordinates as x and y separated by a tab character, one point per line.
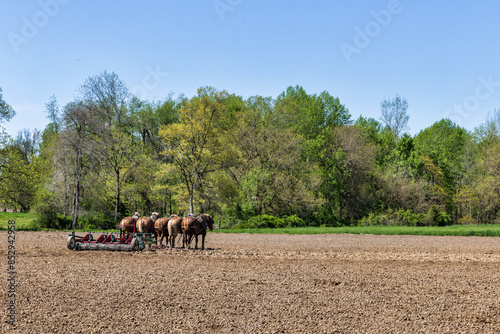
467	220
294	221
379	219
268	221
408	218
436	217
241	226
96	221
46	209
394	218
49	218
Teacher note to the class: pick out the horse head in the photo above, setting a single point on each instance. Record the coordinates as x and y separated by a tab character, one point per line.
136	215
211	224
209	220
154	216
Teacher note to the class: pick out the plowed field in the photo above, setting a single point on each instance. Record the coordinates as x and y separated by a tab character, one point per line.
258	284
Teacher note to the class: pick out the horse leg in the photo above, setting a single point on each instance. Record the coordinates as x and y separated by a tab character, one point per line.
196	245
203	241
190	240
172	237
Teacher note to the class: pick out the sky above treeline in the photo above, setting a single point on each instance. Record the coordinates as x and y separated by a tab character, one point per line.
441	56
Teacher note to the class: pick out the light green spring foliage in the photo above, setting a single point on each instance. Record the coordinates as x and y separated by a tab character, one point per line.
297	155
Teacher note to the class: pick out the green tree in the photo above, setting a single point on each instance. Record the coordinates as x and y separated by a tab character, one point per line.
54	127
148	117
489	131
399	181
108	98
196	145
347	164
118	154
20	170
308	115
75	150
382	137
487	186
6	111
271	176
444	146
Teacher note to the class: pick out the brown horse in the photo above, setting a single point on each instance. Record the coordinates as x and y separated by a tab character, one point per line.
146	224
174	229
186	224
197	226
128	223
161	229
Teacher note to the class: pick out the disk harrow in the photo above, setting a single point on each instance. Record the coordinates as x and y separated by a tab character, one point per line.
111	241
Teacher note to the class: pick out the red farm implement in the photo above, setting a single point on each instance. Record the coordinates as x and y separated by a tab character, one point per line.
110	241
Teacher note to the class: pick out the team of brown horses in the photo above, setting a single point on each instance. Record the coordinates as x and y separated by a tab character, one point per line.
170	228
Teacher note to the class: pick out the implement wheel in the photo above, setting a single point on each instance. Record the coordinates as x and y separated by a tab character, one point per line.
134	244
71	243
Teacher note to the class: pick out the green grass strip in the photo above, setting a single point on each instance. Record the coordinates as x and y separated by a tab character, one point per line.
24	221
492	230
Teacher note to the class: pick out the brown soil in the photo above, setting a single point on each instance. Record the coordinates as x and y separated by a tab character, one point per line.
258	284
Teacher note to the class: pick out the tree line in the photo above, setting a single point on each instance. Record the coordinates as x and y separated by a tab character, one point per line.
299	158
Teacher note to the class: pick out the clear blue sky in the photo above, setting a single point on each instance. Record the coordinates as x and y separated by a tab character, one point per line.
442	56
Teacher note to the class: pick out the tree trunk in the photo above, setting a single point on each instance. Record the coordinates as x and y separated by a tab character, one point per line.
191	204
66	195
76	195
66	203
170	203
117	202
200	208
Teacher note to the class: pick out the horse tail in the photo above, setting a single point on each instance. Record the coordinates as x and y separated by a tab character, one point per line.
140	224
170	228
